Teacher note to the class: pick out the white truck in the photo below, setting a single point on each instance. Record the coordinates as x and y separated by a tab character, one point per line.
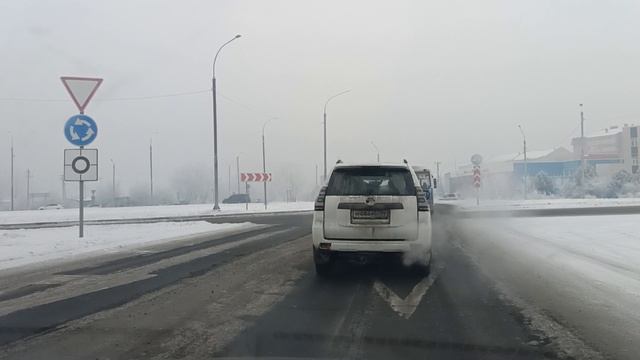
427	182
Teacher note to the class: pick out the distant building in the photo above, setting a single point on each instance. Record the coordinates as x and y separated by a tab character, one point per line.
502	176
610	150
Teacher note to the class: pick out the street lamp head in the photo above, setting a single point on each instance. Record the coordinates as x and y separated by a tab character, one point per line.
237	36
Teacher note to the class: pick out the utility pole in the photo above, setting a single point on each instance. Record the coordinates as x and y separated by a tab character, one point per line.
151	169
113	181
264	164
438	174
264	170
12	157
526	169
582	144
238	172
28	189
216	205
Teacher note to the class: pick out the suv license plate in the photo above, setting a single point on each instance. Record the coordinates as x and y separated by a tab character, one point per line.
369	216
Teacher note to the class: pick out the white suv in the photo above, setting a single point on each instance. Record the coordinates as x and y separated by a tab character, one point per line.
366	211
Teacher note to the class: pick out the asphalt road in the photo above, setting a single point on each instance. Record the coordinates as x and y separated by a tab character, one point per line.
254	294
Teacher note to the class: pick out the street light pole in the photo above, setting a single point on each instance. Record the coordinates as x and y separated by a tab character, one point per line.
526	170
216	205
28	189
238	172
151	169
377	150
113	181
12	157
324	177
264	163
439	184
582	161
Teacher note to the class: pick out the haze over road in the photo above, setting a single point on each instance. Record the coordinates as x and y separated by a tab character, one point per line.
254	294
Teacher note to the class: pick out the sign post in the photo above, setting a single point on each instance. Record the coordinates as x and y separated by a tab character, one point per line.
476	160
81	130
255	177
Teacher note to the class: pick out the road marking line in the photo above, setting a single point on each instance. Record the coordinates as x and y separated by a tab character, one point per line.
407	306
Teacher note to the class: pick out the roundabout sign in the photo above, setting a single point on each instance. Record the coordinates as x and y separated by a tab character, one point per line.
80	130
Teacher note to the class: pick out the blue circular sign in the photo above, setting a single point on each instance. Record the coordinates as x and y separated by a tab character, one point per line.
80	130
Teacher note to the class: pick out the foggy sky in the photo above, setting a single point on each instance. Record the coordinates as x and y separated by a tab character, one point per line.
430	80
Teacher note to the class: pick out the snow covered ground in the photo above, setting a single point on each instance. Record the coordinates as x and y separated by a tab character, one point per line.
27	247
138	212
470	204
582	270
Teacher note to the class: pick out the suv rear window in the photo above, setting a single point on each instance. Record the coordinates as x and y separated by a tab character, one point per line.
371	180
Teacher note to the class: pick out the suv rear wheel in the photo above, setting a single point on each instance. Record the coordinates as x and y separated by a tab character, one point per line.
323	270
322	263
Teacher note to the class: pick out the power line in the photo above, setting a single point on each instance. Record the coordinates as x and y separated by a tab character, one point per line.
133	98
140	98
130	98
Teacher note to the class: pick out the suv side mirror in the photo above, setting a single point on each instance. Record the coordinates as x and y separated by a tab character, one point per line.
435	183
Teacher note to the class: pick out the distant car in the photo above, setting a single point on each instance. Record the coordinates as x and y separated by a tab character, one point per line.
237	199
51	207
450	196
368	211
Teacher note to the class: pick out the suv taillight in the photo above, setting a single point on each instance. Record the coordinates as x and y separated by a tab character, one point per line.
423	204
319	205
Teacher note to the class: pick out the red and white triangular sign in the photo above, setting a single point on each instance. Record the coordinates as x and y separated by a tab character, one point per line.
81	89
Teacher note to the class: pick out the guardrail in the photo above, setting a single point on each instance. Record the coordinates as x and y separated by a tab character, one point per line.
55	224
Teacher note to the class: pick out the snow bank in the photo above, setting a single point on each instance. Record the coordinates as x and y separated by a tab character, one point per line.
138	212
24	247
470	204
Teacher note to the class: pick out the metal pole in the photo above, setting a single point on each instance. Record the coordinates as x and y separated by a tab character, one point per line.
81	203
216	205
113	181
264	170
264	163
151	168
438	176
28	190
12	157
526	169
238	171
64	191
582	159
324	177
377	150
229	181
316	174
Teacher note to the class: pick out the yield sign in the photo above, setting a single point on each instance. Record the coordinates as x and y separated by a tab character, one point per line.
81	89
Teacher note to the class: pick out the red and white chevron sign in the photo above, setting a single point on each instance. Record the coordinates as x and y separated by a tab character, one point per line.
476	176
255	177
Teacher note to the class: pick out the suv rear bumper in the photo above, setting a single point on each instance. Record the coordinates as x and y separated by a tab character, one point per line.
417	246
